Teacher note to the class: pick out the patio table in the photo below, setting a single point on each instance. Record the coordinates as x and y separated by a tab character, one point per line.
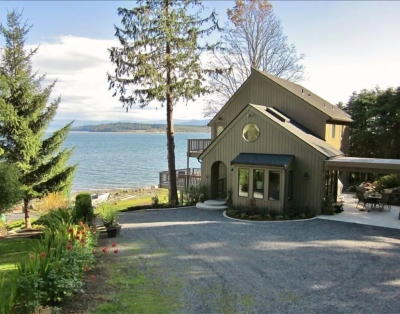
374	198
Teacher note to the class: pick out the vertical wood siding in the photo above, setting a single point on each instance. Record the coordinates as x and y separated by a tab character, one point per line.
341	139
273	140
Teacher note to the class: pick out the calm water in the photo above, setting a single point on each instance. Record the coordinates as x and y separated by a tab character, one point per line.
124	160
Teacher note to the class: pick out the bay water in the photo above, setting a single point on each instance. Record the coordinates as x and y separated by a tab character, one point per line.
125	160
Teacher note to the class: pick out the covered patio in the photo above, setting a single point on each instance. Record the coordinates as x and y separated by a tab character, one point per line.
351	214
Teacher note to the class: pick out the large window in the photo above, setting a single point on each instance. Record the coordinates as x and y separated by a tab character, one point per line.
244	182
251	132
258	184
274	185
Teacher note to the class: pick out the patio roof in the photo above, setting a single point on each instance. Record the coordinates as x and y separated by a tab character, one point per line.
359	164
275	160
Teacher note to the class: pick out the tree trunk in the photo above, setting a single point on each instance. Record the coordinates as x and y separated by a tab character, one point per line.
26	211
173	191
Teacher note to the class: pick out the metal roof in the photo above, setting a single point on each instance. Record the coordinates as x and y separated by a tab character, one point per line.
363	164
334	112
263	159
302	133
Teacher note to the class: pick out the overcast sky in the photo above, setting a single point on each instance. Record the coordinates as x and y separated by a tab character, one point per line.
348	45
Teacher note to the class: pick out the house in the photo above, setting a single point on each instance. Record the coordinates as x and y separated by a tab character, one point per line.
277	145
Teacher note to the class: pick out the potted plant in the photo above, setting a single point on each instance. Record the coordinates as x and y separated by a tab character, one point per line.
109	217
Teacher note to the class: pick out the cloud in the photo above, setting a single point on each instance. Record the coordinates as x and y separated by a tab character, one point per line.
80	66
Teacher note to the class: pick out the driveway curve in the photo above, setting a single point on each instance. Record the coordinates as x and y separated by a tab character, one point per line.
216	265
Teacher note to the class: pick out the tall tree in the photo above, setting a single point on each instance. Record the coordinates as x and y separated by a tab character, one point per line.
254	37
375	132
25	113
159	60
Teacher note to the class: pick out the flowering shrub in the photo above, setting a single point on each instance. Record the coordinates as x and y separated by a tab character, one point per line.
55	268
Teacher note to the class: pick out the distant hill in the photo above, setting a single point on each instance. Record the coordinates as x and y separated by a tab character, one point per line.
138	127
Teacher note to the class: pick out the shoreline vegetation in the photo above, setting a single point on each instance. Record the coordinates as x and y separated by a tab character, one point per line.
128	127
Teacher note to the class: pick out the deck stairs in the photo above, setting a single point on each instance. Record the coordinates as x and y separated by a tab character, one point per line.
212	205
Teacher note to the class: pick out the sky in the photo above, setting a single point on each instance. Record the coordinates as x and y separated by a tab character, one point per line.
348	45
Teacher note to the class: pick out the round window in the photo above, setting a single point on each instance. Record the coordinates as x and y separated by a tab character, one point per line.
251	132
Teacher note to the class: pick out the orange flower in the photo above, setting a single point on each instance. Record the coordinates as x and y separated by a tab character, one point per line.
77	237
113	244
69	247
43	254
82	241
70	230
104	250
116	251
78	232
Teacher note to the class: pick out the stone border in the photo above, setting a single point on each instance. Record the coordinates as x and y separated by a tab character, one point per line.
293	220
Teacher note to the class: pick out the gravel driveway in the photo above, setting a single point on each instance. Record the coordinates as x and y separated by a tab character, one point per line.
217	265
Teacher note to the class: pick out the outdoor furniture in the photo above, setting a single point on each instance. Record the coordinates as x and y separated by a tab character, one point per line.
385	200
364	200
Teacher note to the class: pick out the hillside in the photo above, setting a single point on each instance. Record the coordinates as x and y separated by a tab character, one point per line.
138	127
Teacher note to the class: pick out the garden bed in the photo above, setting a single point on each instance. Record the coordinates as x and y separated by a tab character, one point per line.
266	216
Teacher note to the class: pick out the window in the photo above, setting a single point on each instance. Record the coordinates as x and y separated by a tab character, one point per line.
251	132
220	129
244	182
274	185
290	185
333	130
258	184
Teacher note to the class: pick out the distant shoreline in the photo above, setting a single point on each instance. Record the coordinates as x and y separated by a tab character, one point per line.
138	131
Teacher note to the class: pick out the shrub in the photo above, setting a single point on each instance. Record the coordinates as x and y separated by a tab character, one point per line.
54	218
52	201
108	215
388	182
155	202
83	210
193	193
10	187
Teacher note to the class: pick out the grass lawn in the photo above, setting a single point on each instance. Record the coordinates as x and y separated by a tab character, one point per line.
146	200
11	251
134	285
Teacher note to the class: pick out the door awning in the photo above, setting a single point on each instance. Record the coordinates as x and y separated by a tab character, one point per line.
274	160
358	164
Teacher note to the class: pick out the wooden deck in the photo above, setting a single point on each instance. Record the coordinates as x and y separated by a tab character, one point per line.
184	178
196	146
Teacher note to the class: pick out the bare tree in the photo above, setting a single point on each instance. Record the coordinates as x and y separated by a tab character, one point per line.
252	37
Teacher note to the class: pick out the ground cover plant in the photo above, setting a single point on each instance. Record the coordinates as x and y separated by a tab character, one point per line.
52	268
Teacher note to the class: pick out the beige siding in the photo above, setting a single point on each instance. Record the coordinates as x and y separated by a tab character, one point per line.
341	138
262	91
274	140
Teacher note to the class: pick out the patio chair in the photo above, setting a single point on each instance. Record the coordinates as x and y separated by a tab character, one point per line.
362	199
385	200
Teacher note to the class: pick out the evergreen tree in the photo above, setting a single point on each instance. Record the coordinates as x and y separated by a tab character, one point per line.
160	60
24	117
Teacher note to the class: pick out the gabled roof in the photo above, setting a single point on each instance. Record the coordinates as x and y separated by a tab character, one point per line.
277	160
334	112
302	133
